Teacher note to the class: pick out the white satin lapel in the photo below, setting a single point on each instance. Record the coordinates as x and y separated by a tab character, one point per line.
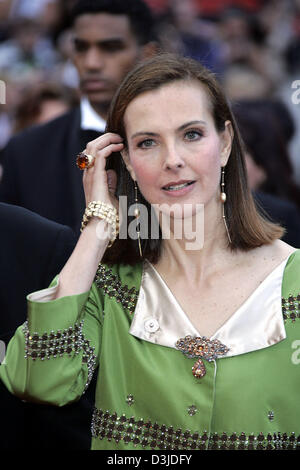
157	304
257	324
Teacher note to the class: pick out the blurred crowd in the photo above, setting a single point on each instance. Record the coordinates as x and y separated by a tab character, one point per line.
251	45
50	109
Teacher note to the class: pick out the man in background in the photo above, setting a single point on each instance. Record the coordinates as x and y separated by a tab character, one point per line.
39	170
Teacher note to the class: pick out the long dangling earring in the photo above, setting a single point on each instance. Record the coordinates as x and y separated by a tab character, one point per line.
137	215
223	200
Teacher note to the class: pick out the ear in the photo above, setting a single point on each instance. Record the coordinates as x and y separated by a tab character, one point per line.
227	138
126	159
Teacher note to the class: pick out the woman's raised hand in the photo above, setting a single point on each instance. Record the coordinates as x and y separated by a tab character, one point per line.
79	272
100	185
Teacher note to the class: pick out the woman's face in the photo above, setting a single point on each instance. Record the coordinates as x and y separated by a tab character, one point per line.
174	150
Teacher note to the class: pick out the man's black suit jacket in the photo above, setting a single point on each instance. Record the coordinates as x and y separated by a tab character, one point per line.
32	251
39	170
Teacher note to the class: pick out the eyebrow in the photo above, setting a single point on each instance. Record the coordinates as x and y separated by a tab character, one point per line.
180	128
102	42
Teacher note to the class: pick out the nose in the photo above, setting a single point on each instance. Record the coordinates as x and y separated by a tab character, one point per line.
94	60
173	160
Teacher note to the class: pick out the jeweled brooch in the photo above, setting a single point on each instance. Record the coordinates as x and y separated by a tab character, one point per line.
200	346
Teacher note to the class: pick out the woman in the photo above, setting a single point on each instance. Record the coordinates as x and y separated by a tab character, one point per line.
147	316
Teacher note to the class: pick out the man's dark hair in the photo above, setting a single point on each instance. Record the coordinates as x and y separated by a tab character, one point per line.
138	12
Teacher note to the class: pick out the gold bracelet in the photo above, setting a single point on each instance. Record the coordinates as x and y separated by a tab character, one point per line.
102	211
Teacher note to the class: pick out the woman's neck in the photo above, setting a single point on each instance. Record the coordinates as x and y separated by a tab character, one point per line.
196	260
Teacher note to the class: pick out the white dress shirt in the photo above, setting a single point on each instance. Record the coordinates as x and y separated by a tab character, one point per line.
90	120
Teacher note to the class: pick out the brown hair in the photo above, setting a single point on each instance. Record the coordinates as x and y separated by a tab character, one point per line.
34	96
248	229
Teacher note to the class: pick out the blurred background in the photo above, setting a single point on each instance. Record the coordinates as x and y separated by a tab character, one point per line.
253	47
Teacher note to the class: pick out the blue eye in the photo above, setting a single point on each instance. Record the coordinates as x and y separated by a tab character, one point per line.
146	143
193	135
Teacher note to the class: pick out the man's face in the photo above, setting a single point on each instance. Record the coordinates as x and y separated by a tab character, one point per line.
105	49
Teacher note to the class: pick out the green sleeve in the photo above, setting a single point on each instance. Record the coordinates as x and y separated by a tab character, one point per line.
52	356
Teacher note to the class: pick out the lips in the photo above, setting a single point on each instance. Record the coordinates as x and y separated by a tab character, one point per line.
177	185
95	84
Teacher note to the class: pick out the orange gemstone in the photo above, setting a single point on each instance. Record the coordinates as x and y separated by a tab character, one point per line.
82	161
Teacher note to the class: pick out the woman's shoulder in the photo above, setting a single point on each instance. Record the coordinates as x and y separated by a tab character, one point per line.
125	274
273	254
260	262
121	282
280	252
280	249
291	275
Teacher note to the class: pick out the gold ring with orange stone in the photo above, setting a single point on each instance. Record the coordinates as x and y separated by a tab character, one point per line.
84	161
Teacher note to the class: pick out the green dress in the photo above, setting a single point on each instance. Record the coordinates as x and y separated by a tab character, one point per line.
147	395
